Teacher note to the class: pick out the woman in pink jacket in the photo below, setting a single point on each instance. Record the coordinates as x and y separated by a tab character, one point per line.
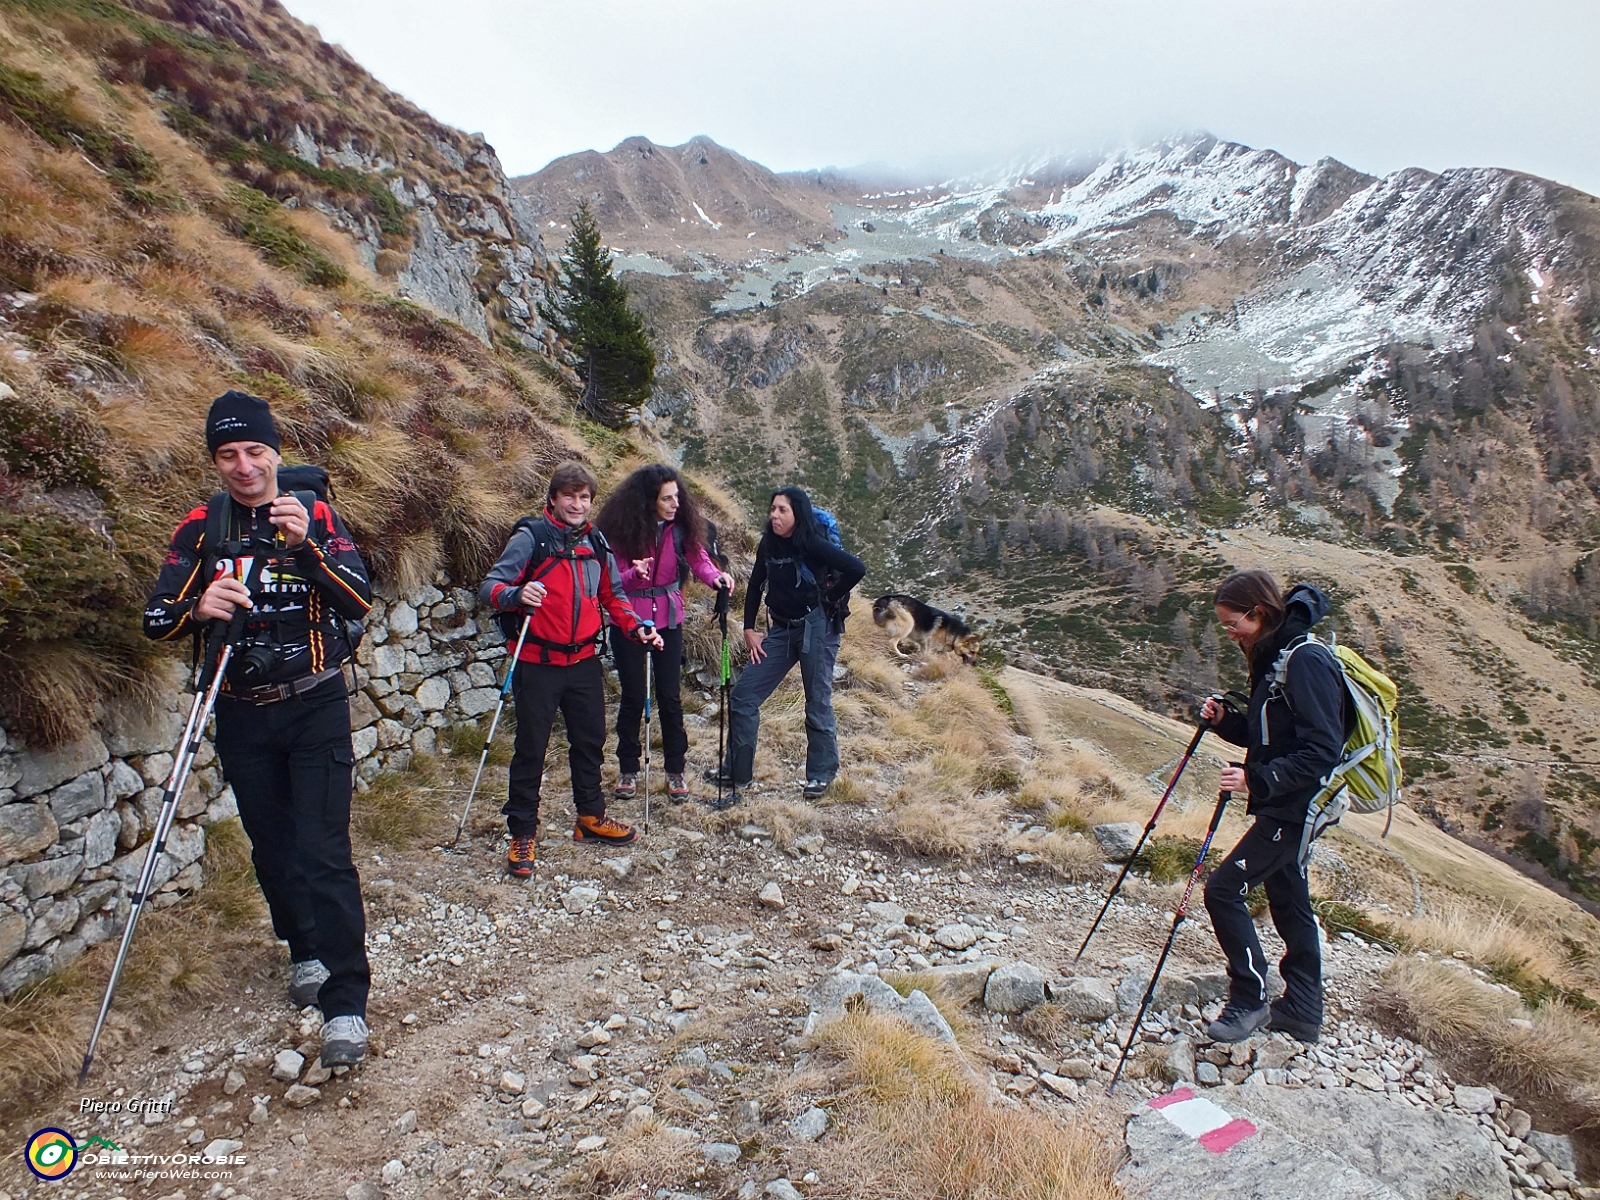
659	539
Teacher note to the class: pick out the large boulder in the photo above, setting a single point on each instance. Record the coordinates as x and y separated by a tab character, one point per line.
44	769
1014	988
964	983
834	996
1118	839
1086	997
1328	1145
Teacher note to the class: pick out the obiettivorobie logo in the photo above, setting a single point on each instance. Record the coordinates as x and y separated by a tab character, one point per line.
52	1154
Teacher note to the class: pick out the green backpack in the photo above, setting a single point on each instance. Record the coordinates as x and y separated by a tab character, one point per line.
1367	777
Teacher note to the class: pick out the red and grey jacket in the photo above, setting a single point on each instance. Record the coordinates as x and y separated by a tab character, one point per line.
296	596
580	578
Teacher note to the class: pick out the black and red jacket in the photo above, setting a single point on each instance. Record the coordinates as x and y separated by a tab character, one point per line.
580	578
295	597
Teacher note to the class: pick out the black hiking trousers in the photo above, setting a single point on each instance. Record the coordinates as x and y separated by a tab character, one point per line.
291	766
1266	855
578	693
667	667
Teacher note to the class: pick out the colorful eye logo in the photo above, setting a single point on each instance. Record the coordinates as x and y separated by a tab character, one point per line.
52	1154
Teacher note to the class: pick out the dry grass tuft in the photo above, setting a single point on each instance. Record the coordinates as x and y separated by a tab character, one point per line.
948	829
647	1155
931	986
403	809
1553	1054
194	951
1048	1021
1492	938
921	1126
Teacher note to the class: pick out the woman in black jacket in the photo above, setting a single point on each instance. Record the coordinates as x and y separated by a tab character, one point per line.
1294	732
807	580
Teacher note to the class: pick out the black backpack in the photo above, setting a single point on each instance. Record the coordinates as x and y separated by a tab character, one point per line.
307	483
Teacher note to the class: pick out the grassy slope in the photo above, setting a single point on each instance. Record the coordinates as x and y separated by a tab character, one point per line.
149	265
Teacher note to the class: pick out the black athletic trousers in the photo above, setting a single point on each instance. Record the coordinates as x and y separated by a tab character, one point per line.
290	765
667	668
1266	855
578	694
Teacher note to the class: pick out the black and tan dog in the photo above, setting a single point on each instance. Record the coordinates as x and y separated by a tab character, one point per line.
910	622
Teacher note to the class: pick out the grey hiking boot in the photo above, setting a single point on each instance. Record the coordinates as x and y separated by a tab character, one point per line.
1291	1023
813	789
305	981
1237	1023
344	1041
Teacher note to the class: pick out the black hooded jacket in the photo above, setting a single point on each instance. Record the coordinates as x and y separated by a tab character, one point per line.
1293	738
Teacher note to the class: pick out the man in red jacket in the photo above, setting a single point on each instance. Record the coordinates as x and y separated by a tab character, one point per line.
559	572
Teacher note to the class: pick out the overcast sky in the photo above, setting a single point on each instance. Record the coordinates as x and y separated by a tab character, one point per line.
793	84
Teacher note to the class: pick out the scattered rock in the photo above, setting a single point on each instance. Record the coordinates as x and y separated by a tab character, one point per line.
511	1083
1177	1065
832	997
1474	1099
299	1095
286	1065
618	866
580	899
809	1125
316	1075
782	1189
393	1171
726	1153
1014	988
365	1190
1556	1148
1118	839
1088	998
1060	1085
590	1144
747	1119
1207	1073
811	843
956	937
771	895
222	1146
232	1084
406	1122
886	912
595	1037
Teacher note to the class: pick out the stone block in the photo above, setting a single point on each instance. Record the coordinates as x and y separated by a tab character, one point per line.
50	876
837	994
154	769
365	742
388	660
123	782
136	727
1088	998
481	674
42	770
21	971
433	694
51	918
363	711
25	829
1014	988
186	843
13	929
194	799
224	808
100	838
425	741
78	798
403	619
390	734
479	700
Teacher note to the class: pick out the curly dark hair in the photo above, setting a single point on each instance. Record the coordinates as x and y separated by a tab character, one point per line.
628	518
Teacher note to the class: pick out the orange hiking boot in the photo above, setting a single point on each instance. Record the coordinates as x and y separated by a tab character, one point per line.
603	829
521	857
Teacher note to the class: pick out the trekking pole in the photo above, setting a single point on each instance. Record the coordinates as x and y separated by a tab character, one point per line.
725	676
648	653
1177	920
505	690
1194	744
205	699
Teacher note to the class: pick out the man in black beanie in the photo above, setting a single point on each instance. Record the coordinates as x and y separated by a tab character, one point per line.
283	718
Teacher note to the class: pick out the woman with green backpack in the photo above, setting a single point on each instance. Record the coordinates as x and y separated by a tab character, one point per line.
806	580
1294	732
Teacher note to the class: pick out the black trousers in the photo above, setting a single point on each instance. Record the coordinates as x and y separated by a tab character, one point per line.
291	766
667	668
1266	855
578	693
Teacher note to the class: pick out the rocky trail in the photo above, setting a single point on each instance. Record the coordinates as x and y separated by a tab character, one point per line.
637	1022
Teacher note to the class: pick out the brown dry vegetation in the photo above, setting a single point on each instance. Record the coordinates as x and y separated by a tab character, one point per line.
195	950
918	1125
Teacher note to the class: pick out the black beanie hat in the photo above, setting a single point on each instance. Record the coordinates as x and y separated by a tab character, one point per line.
240	417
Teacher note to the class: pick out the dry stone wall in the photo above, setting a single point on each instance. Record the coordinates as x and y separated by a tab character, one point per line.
76	821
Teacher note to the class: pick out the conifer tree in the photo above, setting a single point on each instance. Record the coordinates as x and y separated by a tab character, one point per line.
589	309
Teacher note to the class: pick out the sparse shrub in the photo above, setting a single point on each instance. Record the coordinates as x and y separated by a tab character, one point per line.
1171	859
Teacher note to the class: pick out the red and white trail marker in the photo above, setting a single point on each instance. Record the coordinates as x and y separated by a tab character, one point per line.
1202	1120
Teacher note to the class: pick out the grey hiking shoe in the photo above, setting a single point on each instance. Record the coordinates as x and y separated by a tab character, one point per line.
813	789
1291	1023
1237	1023
344	1041
305	981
